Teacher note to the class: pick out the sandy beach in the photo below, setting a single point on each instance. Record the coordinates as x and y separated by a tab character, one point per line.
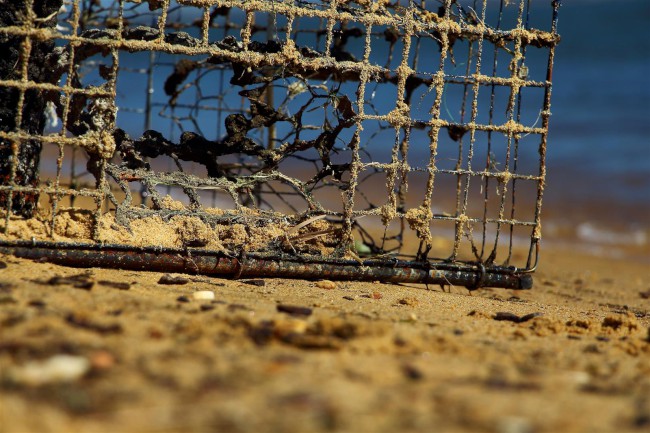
98	350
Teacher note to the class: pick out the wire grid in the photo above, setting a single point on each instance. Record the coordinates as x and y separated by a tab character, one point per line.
383	117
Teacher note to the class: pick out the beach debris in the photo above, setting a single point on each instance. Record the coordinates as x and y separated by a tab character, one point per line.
326	284
7	299
58	368
101	360
257	282
37	303
170	279
622	322
324	334
645	295
376	295
514	424
294	310
238	307
183	298
410	301
79	281
3	265
114	284
412	372
348	298
203	295
511	317
85	321
206	307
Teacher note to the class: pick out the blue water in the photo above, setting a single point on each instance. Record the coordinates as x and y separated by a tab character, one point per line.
600	128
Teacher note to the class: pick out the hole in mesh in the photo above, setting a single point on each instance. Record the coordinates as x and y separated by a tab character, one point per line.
386	47
269	26
372	190
530	107
348	41
310	32
281	197
378	139
380	98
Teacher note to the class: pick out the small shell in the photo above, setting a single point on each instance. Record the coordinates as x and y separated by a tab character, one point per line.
203	295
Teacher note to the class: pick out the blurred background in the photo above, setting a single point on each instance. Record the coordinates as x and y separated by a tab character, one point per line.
599	133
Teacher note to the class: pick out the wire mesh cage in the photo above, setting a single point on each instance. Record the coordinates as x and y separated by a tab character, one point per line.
382	140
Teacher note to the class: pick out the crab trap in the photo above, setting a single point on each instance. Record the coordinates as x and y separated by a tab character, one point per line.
374	140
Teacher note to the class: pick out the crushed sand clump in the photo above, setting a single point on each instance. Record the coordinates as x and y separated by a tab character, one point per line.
253	231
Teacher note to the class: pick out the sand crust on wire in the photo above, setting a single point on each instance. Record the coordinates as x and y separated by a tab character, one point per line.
179	231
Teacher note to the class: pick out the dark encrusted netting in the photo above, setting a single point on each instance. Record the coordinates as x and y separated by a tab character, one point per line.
306	131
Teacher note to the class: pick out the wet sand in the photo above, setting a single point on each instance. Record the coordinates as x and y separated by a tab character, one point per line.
149	357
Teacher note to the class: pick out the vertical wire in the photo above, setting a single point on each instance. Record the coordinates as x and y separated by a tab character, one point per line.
488	158
514	92
546	113
435	122
516	141
67	97
25	52
472	130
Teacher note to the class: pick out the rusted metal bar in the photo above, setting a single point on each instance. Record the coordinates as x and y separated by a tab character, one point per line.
213	263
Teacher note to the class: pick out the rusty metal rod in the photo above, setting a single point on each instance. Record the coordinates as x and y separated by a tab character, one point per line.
219	264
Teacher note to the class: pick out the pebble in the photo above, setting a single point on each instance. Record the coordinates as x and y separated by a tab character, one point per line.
203	295
511	317
530	316
183	299
294	310
36	303
3	265
412	372
5	287
409	301
80	281
170	279
59	368
348	298
258	283
102	360
326	284
289	326
84	321
114	284
6	299
514	424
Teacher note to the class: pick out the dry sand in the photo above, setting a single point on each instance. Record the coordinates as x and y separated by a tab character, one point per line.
151	357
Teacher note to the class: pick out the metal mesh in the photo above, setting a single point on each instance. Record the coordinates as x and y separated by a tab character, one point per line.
312	130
